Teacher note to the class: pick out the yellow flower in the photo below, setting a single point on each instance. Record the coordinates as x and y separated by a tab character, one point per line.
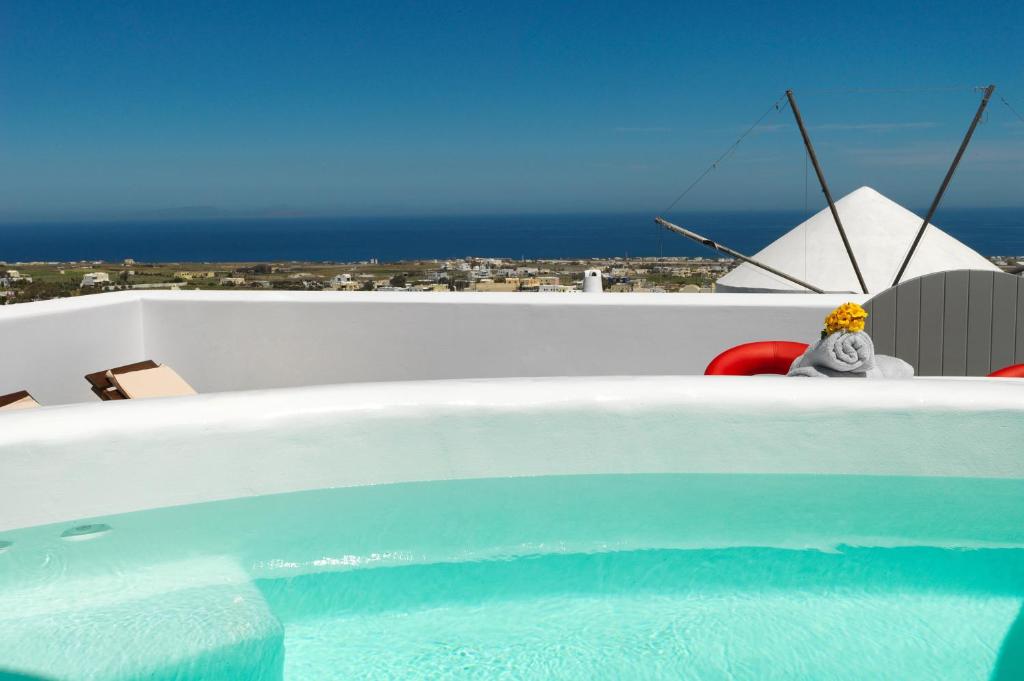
847	317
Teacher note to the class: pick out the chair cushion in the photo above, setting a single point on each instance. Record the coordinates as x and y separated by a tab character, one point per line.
161	381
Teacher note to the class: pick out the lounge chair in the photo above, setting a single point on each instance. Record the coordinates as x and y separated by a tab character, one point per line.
137	381
18	400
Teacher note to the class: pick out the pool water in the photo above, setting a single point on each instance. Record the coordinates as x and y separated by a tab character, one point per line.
575	577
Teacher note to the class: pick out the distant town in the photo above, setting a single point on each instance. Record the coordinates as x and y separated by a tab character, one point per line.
33	281
22	282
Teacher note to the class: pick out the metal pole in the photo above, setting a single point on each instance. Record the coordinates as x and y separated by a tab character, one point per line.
824	188
728	251
945	183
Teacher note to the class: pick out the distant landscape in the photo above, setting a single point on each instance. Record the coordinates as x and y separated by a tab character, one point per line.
27	282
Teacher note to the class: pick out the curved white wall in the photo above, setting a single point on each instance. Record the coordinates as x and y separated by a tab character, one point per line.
223	341
68	463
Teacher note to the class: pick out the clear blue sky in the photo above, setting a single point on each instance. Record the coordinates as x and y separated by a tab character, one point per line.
114	109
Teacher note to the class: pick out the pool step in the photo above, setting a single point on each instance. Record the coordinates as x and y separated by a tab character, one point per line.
697	637
857	614
198	619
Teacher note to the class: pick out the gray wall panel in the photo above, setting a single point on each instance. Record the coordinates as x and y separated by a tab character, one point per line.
958	323
1019	354
954	324
1004	321
933	303
908	322
979	323
884	328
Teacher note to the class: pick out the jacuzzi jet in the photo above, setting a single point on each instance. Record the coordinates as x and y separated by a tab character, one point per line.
4	545
83	532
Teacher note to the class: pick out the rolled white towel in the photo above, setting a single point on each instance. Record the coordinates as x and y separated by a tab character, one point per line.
848	355
837	354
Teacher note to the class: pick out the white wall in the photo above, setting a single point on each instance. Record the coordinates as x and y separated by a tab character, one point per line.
48	347
232	341
247	340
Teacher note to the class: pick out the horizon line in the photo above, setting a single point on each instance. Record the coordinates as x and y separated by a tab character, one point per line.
16	221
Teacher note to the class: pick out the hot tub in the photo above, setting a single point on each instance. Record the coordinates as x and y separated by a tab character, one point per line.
655	527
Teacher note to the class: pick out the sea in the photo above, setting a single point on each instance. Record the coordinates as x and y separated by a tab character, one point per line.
990	231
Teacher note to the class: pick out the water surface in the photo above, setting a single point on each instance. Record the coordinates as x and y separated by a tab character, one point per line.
572	577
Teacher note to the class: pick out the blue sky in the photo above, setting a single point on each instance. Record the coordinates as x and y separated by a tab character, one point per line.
123	109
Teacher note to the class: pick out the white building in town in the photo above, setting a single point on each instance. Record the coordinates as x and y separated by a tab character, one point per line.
94	278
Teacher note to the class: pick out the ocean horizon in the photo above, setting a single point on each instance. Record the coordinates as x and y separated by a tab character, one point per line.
990	231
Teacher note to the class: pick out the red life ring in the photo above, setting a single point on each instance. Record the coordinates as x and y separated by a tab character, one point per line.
759	357
1012	371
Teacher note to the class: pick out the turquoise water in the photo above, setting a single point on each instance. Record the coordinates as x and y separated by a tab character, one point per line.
585	577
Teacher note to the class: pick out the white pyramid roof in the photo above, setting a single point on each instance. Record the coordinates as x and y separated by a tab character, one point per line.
880	233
